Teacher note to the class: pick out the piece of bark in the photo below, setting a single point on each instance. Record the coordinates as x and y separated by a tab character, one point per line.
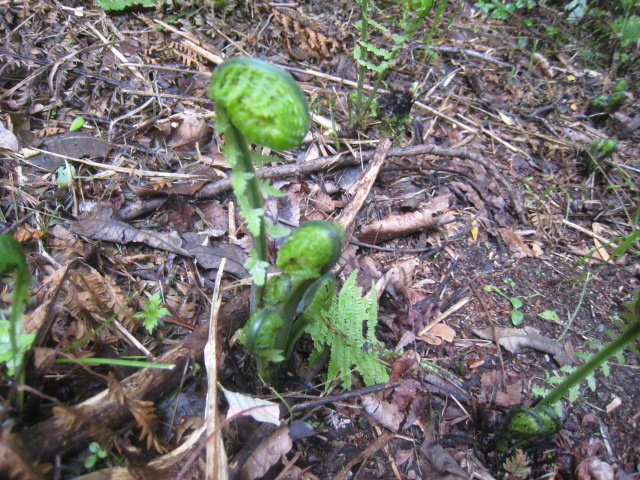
48	438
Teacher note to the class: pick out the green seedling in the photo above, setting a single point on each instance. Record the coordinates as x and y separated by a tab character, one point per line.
379	60
97	455
119	5
152	312
524	425
12	259
598	150
609	103
516	315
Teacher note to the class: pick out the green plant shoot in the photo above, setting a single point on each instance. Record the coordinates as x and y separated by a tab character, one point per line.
152	312
527	424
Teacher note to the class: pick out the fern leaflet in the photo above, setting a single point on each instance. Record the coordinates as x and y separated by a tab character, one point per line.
340	328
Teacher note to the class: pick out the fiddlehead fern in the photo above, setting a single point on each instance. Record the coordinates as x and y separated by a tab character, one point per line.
258	102
263	102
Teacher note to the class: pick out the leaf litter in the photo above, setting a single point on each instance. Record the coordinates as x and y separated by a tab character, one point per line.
485	154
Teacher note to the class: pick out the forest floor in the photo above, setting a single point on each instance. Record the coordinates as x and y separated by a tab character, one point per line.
487	222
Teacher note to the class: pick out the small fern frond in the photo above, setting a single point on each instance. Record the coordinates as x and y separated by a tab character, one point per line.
347	329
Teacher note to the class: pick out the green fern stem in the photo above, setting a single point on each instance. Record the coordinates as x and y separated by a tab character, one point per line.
245	166
595	361
364	35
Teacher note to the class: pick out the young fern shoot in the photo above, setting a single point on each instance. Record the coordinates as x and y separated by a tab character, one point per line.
256	102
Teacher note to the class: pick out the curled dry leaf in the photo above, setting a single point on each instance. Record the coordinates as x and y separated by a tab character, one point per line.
516	340
386	413
267	454
192	129
396	225
8	141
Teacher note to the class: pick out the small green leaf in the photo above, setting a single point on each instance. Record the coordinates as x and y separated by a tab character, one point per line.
257	268
77	124
549	315
517	317
516	302
591	382
65	174
276	231
268	190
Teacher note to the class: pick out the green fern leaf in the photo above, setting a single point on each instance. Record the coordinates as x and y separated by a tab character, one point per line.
380	52
348	330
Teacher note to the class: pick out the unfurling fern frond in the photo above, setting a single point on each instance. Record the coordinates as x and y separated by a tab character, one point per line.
347	328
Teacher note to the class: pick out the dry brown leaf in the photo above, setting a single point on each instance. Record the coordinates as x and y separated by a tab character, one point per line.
517	247
593	468
103	227
267	454
397	225
386	413
437	334
8	141
516	340
70	144
192	129
504	397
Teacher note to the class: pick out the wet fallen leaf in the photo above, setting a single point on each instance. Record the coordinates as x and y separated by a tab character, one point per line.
515	340
267	454
258	409
101	226
386	413
396	225
441	462
209	255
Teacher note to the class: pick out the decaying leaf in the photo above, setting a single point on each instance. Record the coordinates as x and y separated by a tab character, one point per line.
440	461
8	141
267	454
70	144
386	413
430	215
209	256
518	465
506	395
517	247
260	410
101	226
516	340
192	129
